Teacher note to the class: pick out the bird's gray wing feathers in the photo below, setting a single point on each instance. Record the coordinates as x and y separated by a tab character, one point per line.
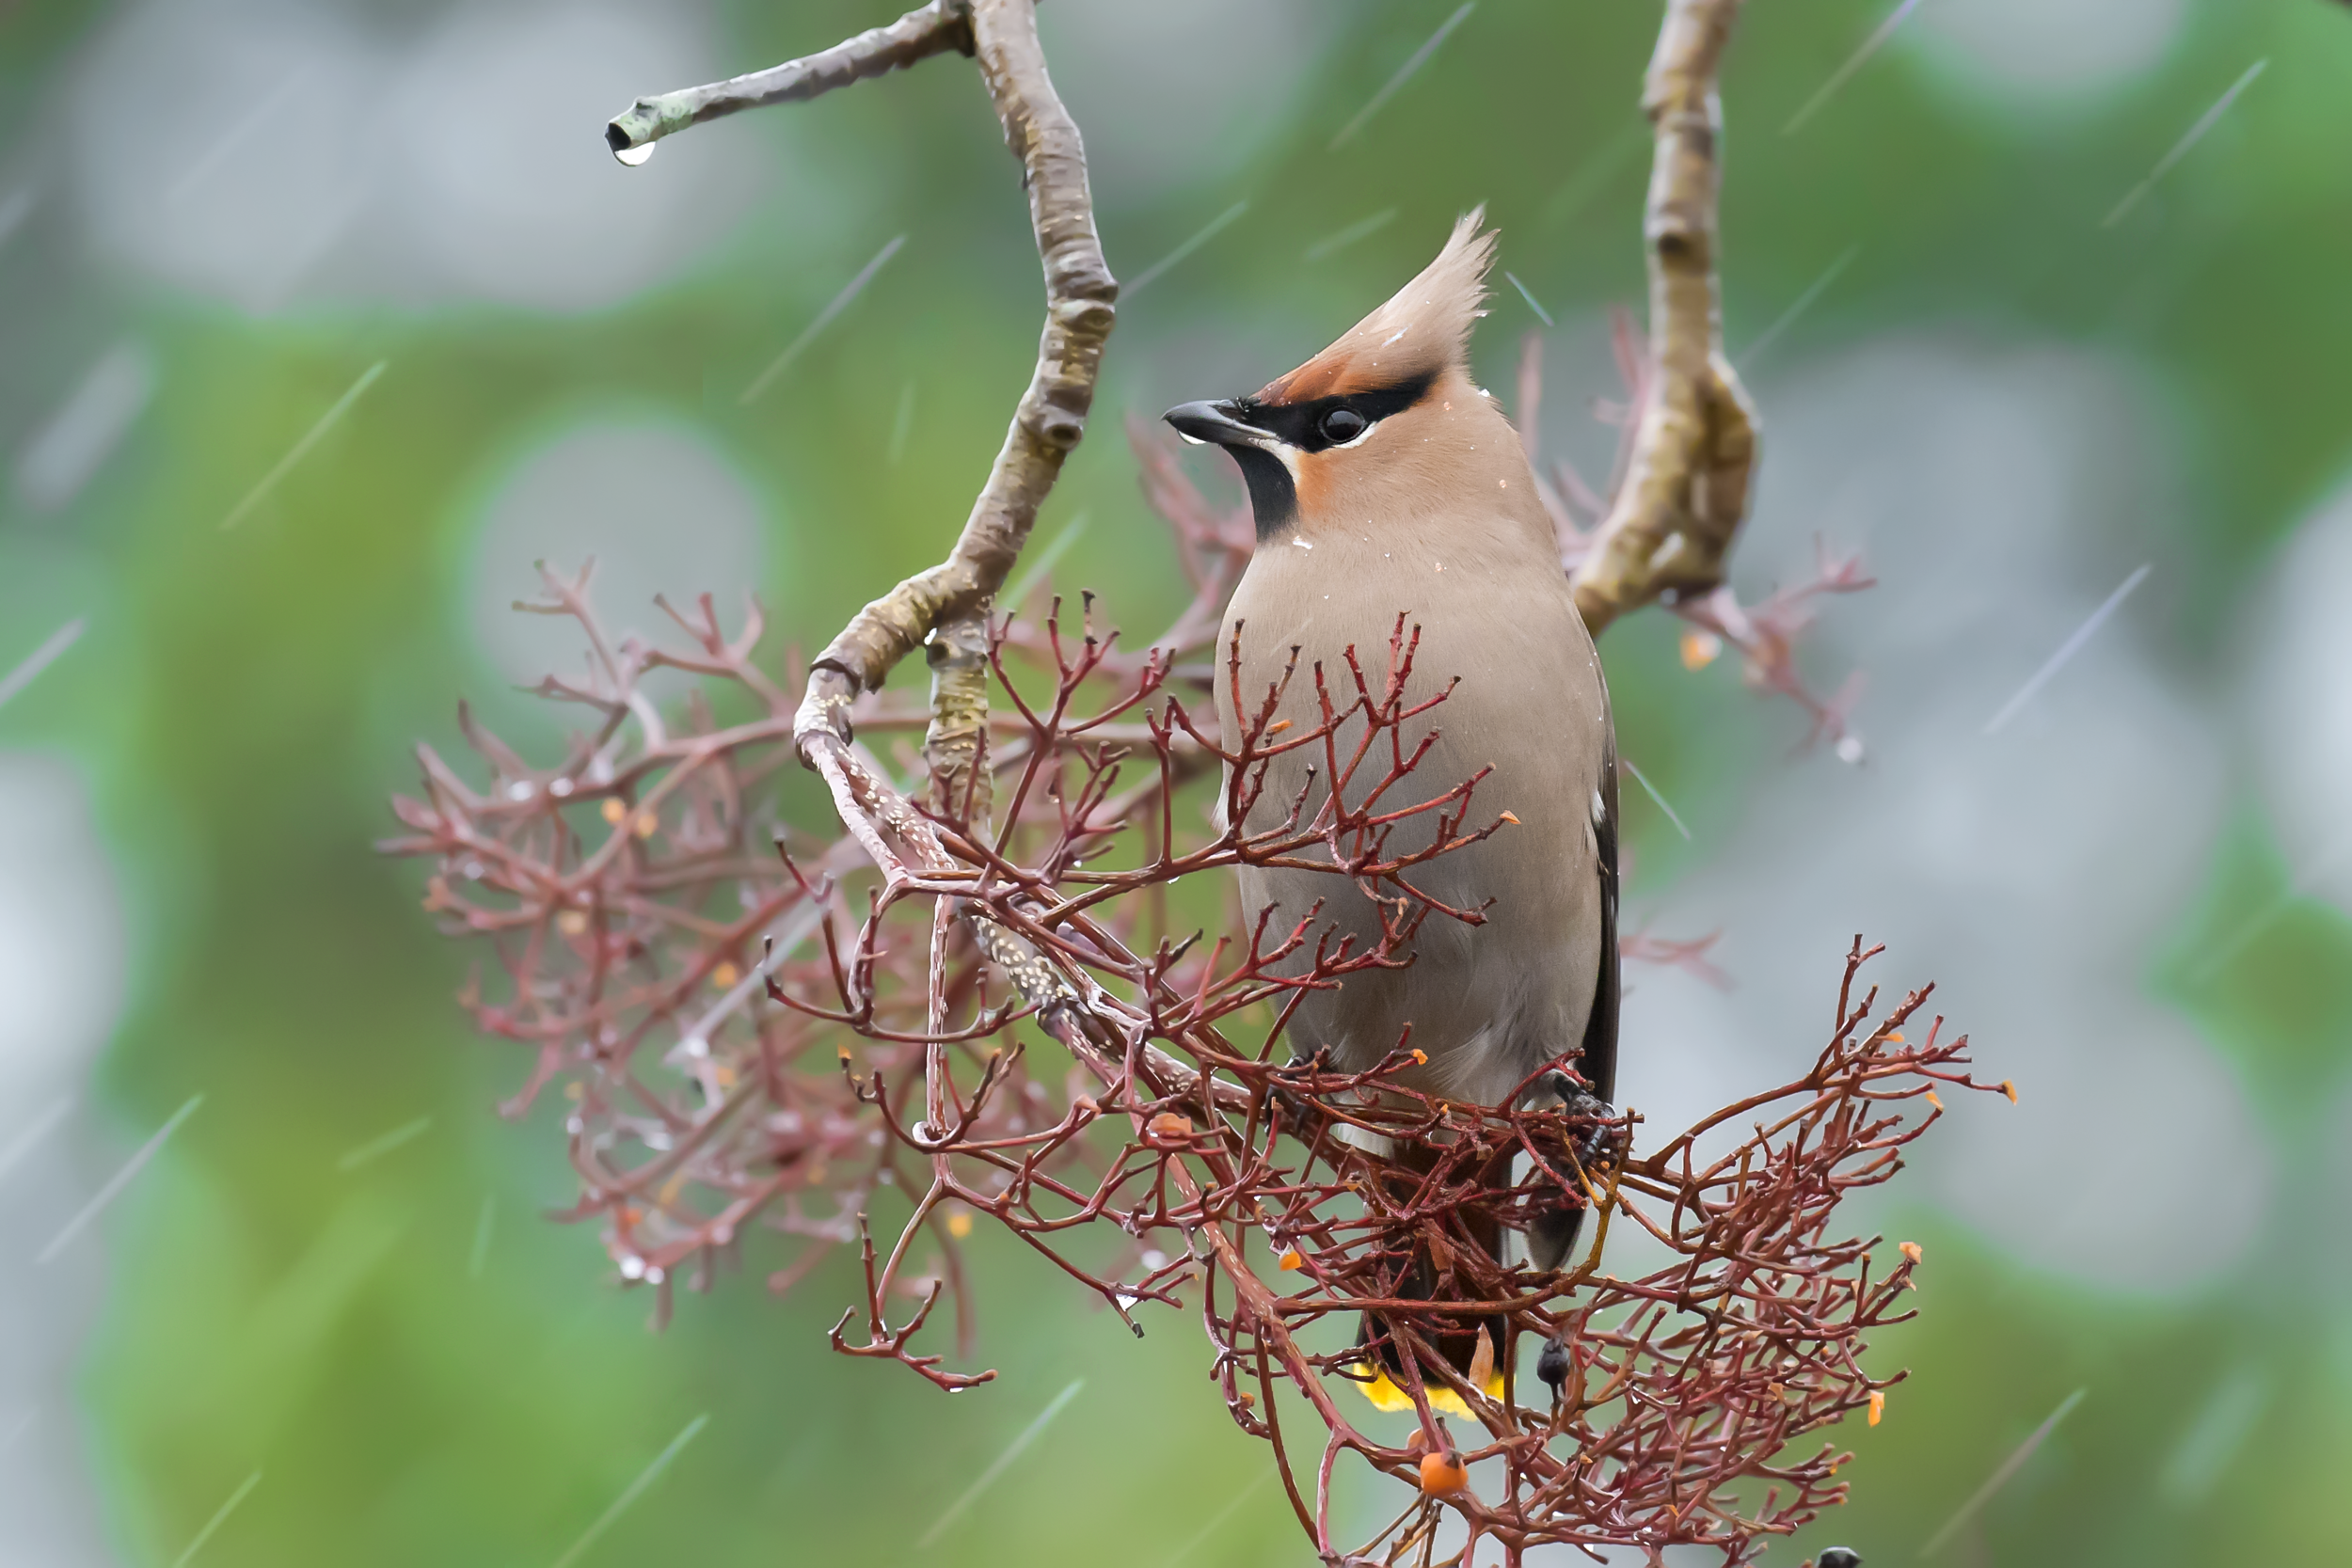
1551	1234
1599	1064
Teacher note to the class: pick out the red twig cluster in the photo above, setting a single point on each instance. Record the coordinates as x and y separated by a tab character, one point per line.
988	1005
1764	634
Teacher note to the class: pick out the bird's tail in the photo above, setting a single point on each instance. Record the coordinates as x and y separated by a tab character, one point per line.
1380	1372
1474	1344
1551	1236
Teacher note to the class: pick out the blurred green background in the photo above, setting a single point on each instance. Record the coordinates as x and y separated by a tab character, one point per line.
218	215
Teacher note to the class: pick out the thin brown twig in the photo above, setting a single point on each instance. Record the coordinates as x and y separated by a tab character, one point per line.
927	30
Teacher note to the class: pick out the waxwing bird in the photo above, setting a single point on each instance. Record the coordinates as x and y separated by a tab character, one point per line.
1384	481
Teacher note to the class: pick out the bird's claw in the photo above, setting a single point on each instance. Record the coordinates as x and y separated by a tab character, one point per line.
1304	1067
1279	1085
1602	1141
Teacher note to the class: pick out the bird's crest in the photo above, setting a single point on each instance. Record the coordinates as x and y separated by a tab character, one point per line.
1423	327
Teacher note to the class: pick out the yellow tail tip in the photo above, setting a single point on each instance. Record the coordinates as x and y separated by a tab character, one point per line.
1384	1393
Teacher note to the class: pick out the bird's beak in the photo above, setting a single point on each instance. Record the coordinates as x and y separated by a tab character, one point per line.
1214	424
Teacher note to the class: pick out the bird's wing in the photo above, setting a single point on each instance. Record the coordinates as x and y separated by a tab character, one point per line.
1599	1064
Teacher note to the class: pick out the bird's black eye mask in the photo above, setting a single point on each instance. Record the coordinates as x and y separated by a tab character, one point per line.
1333	422
1240	425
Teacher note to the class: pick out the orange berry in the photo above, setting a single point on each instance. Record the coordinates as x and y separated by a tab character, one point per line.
1167	1128
613	811
2009	1089
1877	1405
1443	1475
1911	1250
1700	649
1934	1099
1291	1260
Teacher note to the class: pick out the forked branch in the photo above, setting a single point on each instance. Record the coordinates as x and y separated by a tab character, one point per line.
1051	417
1052	414
947	606
1670	525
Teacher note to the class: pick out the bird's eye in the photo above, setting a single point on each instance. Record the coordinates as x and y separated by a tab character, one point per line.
1342	426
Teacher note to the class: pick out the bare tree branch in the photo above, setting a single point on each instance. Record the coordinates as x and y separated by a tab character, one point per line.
1052	415
1671	522
928	30
947	606
954	744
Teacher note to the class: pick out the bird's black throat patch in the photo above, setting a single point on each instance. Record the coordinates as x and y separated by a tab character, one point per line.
1273	498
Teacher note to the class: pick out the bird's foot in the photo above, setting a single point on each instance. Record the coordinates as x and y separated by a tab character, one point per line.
1602	1141
1302	1112
1304	1066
